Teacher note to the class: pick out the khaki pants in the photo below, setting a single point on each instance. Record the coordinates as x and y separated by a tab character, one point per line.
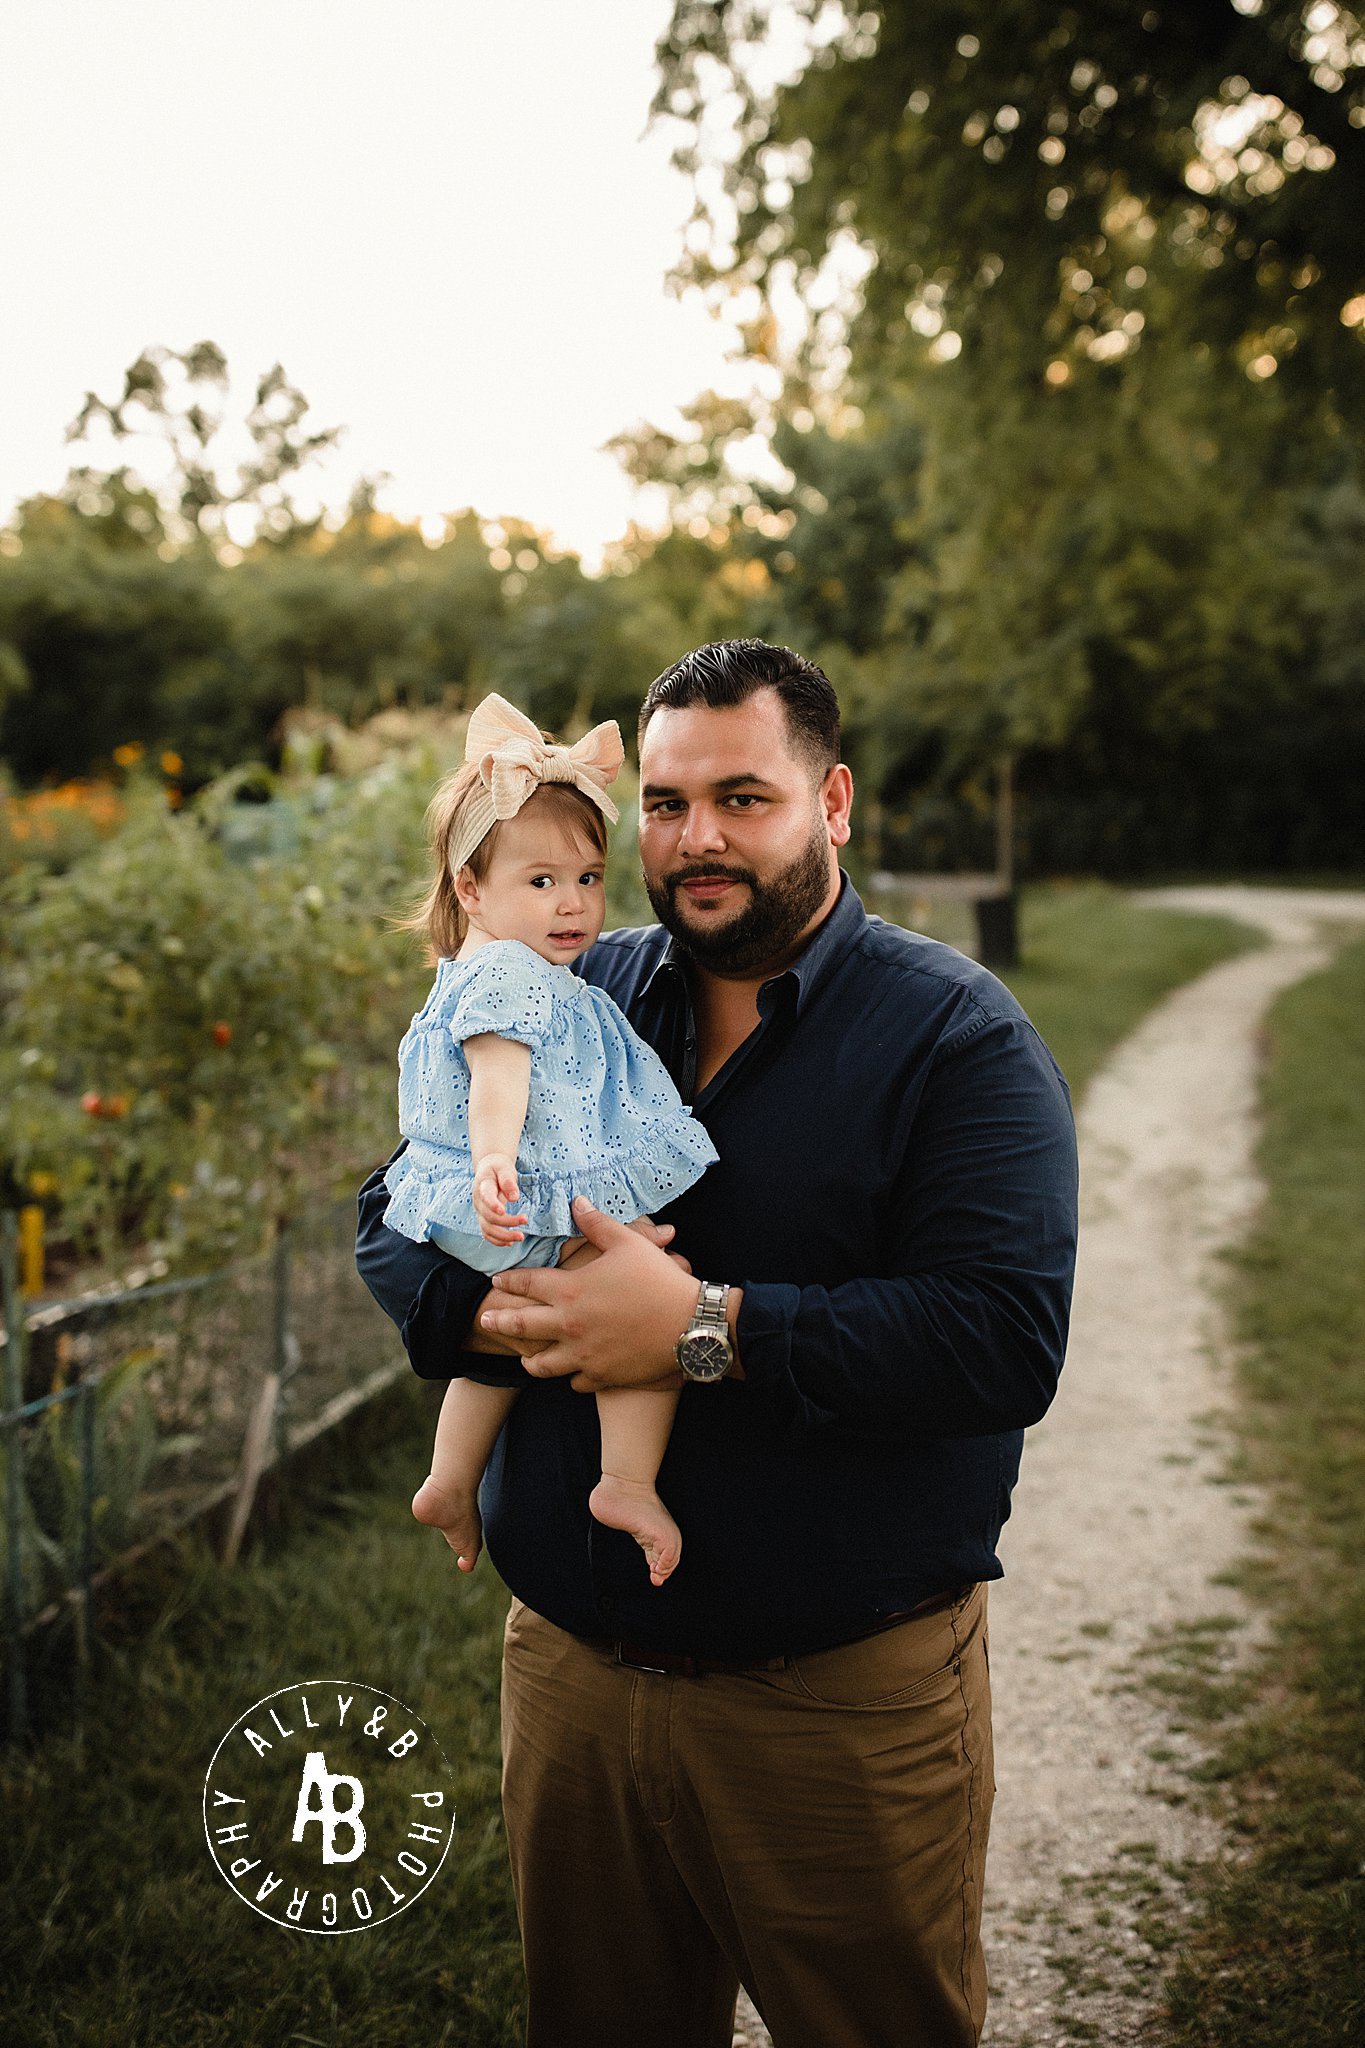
816	1832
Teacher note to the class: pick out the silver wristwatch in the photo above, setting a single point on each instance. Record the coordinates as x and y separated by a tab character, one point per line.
704	1351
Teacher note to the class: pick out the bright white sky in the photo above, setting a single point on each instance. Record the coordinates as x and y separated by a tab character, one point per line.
442	216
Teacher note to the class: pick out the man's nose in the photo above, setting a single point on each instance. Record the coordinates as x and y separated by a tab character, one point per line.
703	830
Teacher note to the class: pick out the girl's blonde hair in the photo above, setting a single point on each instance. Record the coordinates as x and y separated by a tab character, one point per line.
438	916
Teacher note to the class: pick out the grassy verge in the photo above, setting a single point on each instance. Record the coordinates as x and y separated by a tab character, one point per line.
1279	1956
1093	964
115	1931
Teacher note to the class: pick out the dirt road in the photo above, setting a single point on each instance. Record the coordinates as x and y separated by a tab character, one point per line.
1124	1520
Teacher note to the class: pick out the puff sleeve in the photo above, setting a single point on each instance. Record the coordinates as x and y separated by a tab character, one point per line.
507	991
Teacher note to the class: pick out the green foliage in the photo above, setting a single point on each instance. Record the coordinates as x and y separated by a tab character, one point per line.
128	1448
190	1045
1076	439
1029	177
199	1020
97	631
178	399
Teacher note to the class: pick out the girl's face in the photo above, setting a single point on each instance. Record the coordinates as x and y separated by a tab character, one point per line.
543	886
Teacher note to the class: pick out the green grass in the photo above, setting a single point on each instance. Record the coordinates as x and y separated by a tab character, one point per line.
115	1930
1093	964
1279	1955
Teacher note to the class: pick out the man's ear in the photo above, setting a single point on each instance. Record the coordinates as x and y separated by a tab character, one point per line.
836	795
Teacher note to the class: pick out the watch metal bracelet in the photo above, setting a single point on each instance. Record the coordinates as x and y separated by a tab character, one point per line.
711	1305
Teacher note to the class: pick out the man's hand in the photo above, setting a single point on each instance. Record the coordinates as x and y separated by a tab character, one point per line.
611	1322
576	1252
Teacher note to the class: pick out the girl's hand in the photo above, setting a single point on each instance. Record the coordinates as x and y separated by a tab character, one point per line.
495	1189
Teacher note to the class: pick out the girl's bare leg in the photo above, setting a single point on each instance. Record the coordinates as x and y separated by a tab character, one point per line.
635	1424
466	1431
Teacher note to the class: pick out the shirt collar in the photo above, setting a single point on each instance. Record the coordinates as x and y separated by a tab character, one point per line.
826	945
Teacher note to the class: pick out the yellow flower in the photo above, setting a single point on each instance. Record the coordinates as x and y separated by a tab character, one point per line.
171	764
129	754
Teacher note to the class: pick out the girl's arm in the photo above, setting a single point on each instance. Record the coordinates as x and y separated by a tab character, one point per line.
499	1089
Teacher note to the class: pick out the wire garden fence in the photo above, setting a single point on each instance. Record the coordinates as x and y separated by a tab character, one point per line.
129	1414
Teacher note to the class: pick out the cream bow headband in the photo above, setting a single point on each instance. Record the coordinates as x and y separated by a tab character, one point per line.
514	760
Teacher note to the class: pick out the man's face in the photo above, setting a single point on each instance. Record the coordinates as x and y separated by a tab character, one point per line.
737	837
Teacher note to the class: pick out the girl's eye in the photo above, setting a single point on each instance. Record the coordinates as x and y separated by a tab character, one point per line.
590	878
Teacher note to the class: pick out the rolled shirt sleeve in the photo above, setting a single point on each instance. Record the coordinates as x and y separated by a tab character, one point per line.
963	1332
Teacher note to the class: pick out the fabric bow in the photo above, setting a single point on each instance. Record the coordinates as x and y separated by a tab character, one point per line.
513	760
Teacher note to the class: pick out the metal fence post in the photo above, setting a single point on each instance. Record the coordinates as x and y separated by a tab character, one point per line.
85	1608
285	1346
14	1477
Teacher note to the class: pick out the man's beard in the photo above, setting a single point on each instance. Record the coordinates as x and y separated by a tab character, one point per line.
777	912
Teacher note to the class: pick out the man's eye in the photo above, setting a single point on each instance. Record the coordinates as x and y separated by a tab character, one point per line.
737	797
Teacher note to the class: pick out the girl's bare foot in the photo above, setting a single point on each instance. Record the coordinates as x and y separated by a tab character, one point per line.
633	1505
455	1514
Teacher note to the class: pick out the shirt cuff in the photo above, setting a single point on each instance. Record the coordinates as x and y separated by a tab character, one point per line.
763	1336
440	1313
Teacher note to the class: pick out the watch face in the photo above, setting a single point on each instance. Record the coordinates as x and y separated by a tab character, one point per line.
705	1357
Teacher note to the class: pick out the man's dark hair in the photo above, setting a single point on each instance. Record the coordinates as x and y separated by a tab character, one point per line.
728	671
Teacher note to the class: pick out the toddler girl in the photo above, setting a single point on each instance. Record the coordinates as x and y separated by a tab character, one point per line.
521	1085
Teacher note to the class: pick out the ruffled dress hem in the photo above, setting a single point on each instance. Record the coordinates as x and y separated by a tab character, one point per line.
668	1159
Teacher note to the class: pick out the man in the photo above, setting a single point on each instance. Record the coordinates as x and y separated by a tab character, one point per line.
776	1768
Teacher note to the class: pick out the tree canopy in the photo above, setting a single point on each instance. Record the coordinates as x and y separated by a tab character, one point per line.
1043	187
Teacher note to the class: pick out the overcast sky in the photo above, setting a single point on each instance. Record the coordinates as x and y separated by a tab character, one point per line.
442	216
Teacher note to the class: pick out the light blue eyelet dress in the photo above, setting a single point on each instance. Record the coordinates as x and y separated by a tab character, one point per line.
603	1119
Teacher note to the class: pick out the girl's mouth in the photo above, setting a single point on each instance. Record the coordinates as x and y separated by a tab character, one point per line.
566	938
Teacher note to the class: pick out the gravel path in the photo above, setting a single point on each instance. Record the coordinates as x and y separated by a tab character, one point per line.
1124	1521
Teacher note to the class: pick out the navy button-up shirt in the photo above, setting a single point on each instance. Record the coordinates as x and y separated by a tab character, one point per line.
896	1195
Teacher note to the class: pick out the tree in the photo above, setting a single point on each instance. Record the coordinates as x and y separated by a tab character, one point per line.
177	398
1045	187
1076	295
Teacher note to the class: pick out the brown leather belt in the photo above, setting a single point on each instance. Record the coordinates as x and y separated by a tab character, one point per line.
644	1657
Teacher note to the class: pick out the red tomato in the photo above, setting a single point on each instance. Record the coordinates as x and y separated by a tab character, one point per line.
222	1034
92	1104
